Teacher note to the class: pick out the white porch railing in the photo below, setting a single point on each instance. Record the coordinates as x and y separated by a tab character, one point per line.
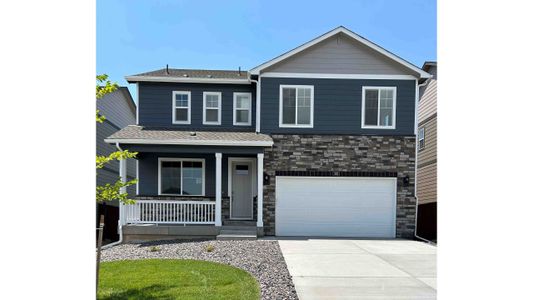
170	212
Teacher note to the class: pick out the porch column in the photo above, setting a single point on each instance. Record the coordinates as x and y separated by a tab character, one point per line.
260	157
123	178
218	187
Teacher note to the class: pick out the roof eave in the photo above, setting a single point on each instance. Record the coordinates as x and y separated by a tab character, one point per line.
191	142
135	79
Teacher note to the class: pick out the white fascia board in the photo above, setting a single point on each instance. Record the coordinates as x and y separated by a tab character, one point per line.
191	142
185	79
422	73
336	76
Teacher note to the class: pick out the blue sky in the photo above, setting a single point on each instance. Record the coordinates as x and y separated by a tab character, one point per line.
139	36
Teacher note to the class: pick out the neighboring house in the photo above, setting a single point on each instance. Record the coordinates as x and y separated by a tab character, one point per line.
427	156
120	111
319	141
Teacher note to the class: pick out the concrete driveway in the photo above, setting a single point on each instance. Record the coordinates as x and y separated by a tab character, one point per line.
361	269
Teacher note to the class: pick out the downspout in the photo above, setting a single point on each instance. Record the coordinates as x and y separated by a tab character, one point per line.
417	97
257	103
119	219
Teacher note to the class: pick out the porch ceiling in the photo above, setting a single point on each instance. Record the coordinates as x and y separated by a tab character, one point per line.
134	134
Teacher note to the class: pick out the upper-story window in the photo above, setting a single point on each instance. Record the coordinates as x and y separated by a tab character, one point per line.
379	107
296	105
181	107
421	138
242	109
212	108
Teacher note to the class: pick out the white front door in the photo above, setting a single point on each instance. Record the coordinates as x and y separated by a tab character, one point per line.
241	190
336	206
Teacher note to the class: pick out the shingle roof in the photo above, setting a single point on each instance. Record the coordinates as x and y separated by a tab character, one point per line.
192	73
134	134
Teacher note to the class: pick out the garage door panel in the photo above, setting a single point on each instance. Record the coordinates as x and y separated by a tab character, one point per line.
335	206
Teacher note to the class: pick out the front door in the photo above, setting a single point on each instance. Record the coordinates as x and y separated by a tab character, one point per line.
241	190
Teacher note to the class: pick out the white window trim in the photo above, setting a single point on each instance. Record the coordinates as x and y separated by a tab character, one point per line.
281	124
174	93
421	137
219	94
379	88
162	159
249	123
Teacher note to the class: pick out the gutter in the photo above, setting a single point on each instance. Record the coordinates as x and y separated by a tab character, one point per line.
136	79
191	142
417	97
119	219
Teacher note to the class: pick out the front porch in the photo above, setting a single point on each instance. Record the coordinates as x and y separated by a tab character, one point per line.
181	219
187	191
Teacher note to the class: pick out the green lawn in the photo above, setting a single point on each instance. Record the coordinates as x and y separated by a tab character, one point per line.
174	279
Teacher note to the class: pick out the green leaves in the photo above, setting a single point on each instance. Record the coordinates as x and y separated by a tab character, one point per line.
99	117
110	192
104	86
101	160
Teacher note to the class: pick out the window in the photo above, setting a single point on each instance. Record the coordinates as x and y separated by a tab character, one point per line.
379	107
242	109
296	106
212	104
421	138
181	176
181	107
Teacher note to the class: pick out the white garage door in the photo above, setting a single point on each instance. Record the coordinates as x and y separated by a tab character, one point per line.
336	206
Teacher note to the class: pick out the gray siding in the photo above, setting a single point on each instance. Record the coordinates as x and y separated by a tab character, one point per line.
156	105
337	106
103	130
340	54
116	108
111	176
119	113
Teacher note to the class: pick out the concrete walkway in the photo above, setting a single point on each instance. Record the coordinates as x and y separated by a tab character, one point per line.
361	269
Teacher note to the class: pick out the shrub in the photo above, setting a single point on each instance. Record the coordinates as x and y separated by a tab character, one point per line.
155	249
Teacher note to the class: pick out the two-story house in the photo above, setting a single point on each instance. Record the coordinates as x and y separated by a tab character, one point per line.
319	141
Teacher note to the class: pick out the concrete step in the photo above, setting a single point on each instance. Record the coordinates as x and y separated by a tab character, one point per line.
236	237
240	231
235	233
239	223
235	227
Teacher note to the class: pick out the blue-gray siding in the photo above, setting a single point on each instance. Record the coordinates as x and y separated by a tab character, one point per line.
148	168
156	105
337	106
119	113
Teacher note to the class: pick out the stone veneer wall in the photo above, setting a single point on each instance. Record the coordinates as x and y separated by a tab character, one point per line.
344	153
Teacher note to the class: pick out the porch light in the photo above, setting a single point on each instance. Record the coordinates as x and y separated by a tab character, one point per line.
406	180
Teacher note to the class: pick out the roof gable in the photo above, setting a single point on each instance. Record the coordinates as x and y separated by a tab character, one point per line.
357	56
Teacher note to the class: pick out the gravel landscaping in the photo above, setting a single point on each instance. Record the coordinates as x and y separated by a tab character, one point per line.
261	258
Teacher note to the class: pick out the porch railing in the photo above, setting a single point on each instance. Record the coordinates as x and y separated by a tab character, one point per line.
170	212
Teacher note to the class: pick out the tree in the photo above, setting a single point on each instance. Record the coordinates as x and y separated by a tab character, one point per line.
110	192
